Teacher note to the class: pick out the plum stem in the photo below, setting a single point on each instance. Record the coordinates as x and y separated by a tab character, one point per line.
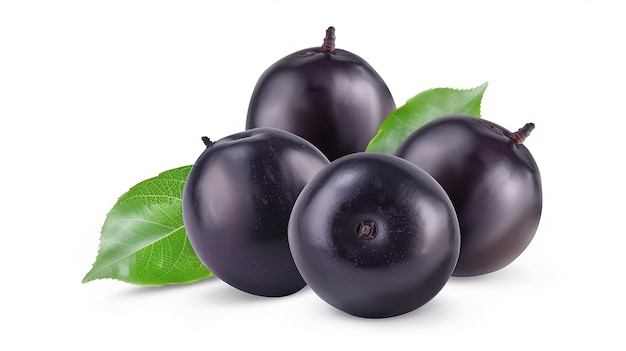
207	141
366	229
522	133
329	41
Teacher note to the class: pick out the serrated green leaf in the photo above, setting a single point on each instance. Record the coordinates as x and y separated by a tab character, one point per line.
143	239
421	109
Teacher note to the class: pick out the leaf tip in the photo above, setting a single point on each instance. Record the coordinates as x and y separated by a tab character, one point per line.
89	276
86	279
483	86
481	89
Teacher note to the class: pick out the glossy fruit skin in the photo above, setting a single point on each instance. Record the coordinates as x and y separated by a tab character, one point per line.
400	262
335	100
494	184
236	205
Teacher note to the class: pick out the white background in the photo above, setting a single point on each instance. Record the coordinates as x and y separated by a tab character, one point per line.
97	96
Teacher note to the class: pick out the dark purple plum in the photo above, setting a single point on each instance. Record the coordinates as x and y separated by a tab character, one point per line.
329	96
492	180
236	205
374	236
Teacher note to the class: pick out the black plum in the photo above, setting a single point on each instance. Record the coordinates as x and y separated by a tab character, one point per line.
236	205
492	180
329	96
374	236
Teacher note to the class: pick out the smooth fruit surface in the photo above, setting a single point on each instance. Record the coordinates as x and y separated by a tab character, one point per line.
374	235
492	180
236	205
331	97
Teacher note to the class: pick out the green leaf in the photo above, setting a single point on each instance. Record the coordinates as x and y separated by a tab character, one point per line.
143	239
421	109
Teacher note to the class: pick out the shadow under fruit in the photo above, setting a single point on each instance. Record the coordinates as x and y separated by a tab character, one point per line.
331	97
236	205
492	180
374	236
